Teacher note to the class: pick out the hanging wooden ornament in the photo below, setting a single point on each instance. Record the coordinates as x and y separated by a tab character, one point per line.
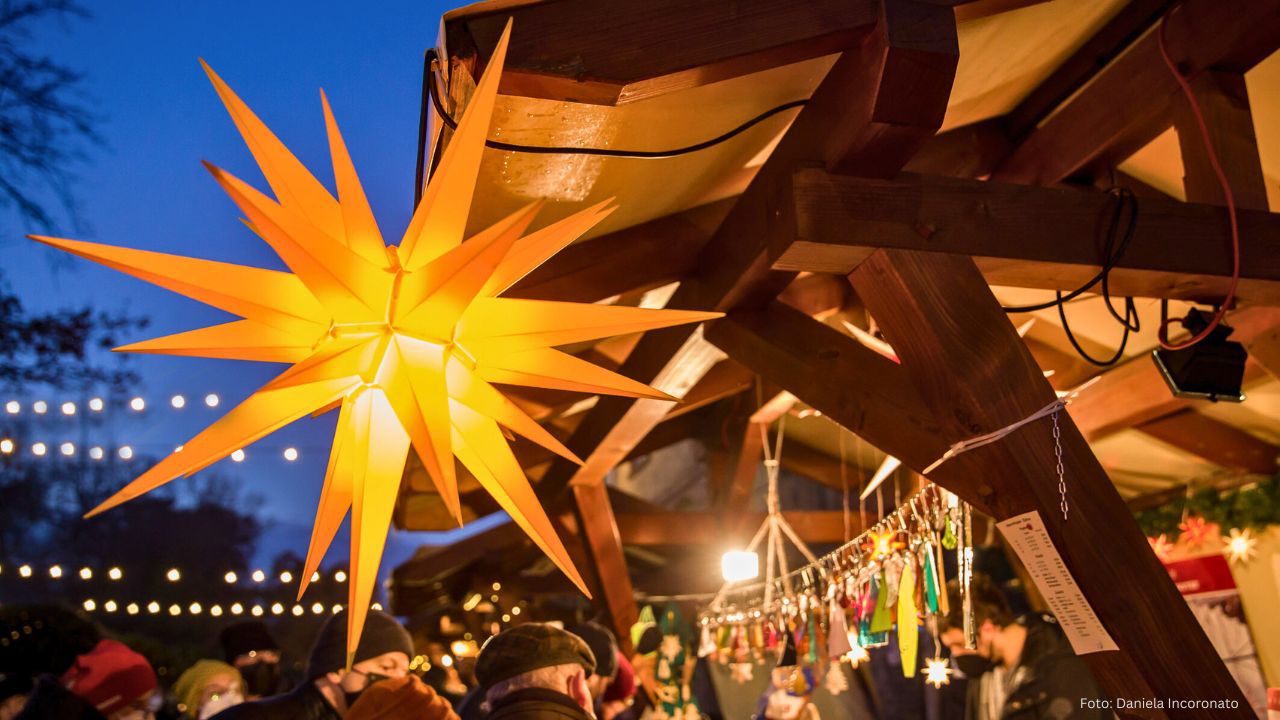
881	618
789	654
706	643
838	643
836	681
930	578
908	634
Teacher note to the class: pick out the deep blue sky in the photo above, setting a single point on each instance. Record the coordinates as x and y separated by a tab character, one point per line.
147	189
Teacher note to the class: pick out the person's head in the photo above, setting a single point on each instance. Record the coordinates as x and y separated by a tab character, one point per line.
605	649
383	653
404	697
115	680
207	688
991	615
254	653
536	655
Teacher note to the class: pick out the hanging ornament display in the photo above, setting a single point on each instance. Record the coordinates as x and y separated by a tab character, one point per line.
409	342
851	599
1161	546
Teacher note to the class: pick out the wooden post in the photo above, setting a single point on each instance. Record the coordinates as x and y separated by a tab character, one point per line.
970	368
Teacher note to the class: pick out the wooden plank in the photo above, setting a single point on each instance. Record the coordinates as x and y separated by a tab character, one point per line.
1224	102
1130	102
1215	441
1179	250
971	151
986	8
1128	24
725	379
815	465
976	376
709	528
641	257
628	50
604	546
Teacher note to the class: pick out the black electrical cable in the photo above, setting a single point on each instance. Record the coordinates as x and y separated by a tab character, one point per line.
609	152
1113	251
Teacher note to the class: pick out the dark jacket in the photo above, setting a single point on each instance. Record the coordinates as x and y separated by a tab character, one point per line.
537	704
1049	679
302	703
49	700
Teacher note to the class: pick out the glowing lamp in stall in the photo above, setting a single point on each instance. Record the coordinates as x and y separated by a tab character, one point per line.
738	565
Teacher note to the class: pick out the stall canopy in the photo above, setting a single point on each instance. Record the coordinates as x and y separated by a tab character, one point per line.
949	158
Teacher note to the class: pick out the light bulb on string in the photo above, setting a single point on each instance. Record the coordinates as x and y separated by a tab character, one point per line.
230	577
67	449
259	576
153	607
96	404
55	572
277	608
68	408
125	452
286	577
236	608
137	404
298	611
290	454
340	576
110	606
115	573
178	402
211	400
132	608
90	605
195	608
39	449
40	407
96	452
238	456
175	610
24	571
86	573
6	446
13	407
317	608
256	611
174	575
216	611
315	576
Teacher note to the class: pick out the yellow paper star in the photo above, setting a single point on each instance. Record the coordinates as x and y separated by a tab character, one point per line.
408	341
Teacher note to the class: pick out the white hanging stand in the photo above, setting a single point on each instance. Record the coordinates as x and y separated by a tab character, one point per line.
774	528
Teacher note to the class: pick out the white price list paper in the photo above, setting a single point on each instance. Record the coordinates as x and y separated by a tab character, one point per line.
1027	535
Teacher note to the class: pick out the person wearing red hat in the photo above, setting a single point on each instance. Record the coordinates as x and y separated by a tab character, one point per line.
115	680
405	698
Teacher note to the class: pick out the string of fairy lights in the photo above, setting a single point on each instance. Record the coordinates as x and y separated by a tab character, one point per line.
44	448
175	609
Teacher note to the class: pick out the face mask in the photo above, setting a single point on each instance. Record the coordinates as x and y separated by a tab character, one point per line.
261	678
370	678
220	703
972	664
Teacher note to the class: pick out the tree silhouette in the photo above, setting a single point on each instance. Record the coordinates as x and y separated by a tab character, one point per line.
44	128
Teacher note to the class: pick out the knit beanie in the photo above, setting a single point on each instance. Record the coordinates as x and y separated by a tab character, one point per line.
245	637
190	685
382	634
600	639
110	677
405	697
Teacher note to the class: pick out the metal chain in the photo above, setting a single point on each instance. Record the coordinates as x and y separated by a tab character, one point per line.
1062	475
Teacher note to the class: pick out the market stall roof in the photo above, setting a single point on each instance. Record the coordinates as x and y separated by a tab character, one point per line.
1011	55
1009	118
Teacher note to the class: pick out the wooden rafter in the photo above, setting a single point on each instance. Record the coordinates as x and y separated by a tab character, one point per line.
1133	99
628	50
1027	236
1215	441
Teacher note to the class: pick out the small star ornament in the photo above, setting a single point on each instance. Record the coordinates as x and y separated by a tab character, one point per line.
741	673
1161	546
937	672
1195	531
857	655
1242	546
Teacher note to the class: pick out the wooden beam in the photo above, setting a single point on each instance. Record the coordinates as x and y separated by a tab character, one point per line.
1129	23
628	50
1132	101
815	465
724	380
1215	441
1179	250
636	258
710	528
971	151
600	536
979	9
975	375
1224	102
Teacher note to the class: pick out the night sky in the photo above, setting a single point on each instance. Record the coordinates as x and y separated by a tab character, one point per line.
146	189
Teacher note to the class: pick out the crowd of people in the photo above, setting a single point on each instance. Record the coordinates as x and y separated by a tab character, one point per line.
57	667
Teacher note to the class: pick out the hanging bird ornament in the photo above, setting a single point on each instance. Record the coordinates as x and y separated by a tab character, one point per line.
409	342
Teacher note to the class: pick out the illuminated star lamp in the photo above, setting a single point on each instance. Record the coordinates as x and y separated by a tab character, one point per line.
1242	546
937	672
407	341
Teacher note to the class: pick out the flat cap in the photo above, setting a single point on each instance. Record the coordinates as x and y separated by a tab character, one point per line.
527	647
